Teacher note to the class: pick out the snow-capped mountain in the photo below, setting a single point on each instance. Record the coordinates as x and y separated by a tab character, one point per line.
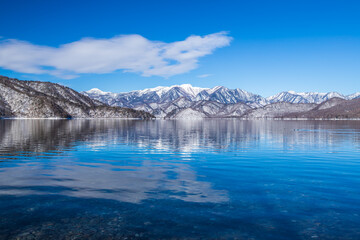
186	101
162	95
217	94
307	97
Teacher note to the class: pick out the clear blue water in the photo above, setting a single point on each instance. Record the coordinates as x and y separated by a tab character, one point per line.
209	179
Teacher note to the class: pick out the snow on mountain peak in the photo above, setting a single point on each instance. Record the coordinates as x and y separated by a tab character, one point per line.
305	97
165	95
354	95
186	85
192	90
214	89
160	90
97	91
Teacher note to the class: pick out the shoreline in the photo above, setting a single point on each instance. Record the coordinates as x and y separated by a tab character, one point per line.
234	118
58	118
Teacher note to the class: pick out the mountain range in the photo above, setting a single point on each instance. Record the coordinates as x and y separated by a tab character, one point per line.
186	101
34	99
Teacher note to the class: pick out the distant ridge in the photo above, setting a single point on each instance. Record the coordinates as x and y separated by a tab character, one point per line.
219	101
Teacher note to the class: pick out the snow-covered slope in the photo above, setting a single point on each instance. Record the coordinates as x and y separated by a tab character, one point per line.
217	94
161	101
169	94
213	102
34	99
278	110
335	108
307	97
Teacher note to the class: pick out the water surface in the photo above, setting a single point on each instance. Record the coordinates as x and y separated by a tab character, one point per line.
158	179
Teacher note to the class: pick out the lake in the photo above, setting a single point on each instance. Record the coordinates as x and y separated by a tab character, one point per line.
179	179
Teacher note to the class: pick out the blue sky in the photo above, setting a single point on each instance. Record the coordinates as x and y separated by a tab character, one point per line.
260	46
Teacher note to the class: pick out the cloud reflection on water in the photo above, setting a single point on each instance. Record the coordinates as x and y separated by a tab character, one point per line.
133	160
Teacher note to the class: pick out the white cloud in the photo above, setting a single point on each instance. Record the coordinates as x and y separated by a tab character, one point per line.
204	75
130	53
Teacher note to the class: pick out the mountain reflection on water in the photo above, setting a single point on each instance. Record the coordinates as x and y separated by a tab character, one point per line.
97	175
183	136
247	179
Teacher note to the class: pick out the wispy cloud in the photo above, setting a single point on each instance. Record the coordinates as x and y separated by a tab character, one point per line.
204	75
130	53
